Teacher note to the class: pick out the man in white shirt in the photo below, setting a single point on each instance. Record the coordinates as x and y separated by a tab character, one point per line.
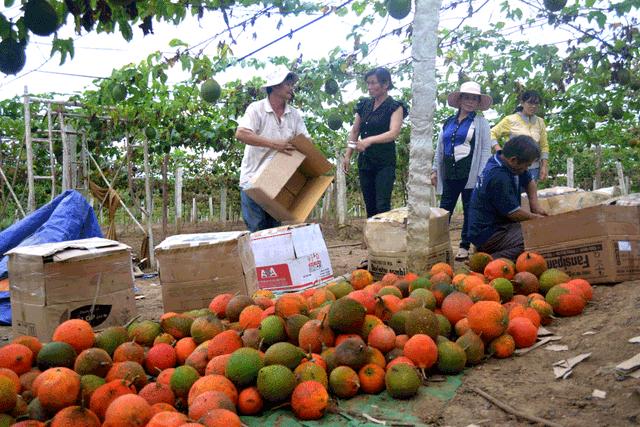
267	127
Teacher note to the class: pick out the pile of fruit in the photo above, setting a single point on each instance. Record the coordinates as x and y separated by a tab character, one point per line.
243	355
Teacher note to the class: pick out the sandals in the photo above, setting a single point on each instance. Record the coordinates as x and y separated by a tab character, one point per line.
364	265
462	255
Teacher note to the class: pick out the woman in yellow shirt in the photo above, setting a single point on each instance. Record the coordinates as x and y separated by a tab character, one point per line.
524	121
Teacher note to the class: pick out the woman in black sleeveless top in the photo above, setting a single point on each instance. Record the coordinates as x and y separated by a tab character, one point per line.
375	129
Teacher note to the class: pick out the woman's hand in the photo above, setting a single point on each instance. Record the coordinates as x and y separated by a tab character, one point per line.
434	178
544	171
346	164
362	145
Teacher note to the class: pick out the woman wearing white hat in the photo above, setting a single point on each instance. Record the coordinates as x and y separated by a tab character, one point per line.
463	149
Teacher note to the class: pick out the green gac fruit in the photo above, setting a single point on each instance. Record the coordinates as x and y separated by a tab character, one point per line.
399	9
331	87
334	122
40	18
210	91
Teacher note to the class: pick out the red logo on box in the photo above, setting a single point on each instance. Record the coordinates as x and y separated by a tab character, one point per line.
274	276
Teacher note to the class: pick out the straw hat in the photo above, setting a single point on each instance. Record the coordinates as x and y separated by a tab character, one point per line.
277	76
472	88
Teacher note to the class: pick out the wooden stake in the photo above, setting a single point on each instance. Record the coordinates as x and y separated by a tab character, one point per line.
513	411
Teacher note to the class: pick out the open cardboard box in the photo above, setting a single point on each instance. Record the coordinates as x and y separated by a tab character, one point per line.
289	186
600	244
194	268
89	279
291	258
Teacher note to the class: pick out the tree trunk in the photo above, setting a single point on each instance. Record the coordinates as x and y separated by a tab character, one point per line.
165	196
223	204
570	182
341	190
178	199
423	88
598	182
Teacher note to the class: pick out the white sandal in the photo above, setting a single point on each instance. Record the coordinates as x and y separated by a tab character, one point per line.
462	255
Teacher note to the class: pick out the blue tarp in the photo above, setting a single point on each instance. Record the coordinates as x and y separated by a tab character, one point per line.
68	217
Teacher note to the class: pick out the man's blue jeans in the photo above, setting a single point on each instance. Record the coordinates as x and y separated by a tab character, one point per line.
254	216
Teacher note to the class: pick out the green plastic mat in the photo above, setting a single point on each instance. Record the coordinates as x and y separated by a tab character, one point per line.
411	412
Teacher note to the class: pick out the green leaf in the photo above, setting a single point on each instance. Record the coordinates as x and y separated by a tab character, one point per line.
64	46
5	27
126	31
177	42
364	48
8	3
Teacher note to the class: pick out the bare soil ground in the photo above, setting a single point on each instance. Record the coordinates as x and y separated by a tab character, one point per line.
526	383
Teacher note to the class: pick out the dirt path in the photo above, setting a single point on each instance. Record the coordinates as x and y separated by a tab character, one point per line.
525	382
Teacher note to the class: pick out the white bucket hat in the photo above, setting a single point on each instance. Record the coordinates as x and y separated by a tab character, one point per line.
471	88
277	76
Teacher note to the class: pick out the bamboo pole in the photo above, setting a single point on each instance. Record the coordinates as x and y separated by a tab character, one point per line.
51	156
178	199
31	198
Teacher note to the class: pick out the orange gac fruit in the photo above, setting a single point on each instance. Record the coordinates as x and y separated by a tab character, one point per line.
511	305
183	348
523	331
58	388
502	346
164	377
107	393
344	382
389	278
399	359
526	312
484	292
498	268
480	276
270	311
360	279
158	393
520	299
309	400
440	290
215	383
17	357
365	298
535	296
455	306
76	332
160	357
265	302
544	309
375	287
217	364
461	326
224	343
132	371
290	304
584	286
410	277
531	262
565	301
76	416
457	279
386	306
198	359
441	267
371	378
207	401
13	377
441	276
489	319
320	297
382	337
219	305
421	350
129	351
250	317
129	410
162	407
8	394
33	343
307	293
468	282
249	401
220	418
167	419
478	261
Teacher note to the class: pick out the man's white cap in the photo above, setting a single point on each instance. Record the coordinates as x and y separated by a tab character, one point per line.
277	76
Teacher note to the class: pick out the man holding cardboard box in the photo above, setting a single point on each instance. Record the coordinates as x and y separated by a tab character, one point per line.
266	128
495	214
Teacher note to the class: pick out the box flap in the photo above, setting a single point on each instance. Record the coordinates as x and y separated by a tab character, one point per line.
308	197
71	250
316	163
181	241
308	240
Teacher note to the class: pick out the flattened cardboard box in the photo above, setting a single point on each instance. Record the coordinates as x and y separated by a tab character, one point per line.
194	268
74	270
291	258
396	262
564	199
600	244
288	186
40	321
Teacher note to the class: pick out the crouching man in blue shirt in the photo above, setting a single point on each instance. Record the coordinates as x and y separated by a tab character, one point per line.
495	212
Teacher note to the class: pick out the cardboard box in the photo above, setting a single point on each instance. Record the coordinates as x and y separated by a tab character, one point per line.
194	268
600	244
90	279
289	186
291	258
564	199
69	271
396	262
386	237
40	321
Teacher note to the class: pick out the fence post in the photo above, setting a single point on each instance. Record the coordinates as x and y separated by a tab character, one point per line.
178	199
621	181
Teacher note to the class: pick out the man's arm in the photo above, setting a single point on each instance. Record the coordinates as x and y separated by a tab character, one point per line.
249	137
532	194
